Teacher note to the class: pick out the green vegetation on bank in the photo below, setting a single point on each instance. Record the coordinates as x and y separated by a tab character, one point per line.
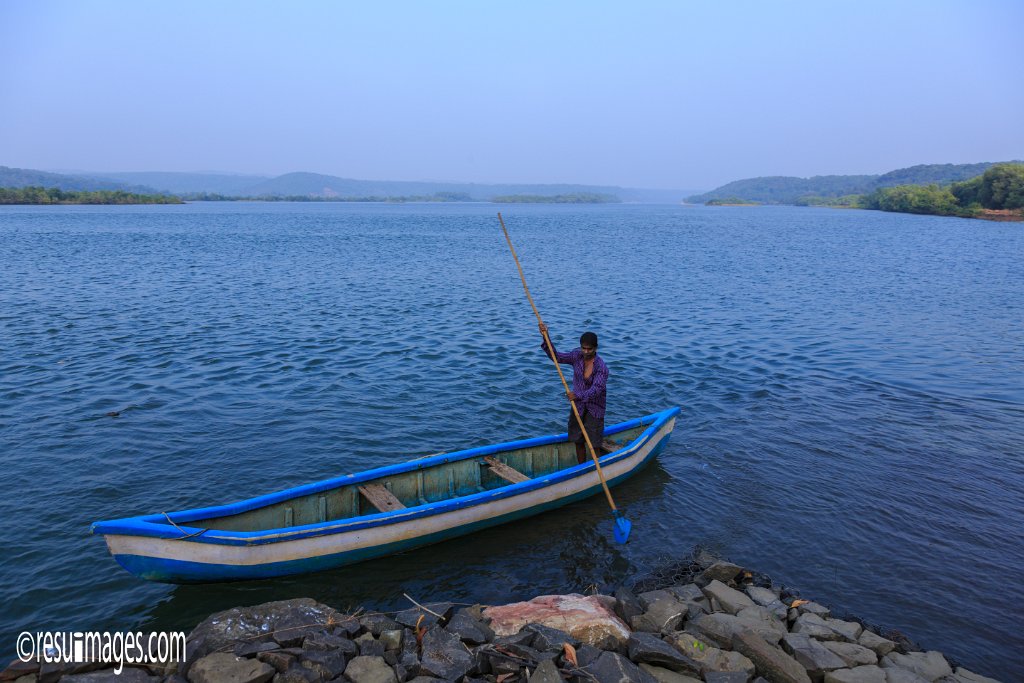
999	189
53	195
576	198
731	201
809	191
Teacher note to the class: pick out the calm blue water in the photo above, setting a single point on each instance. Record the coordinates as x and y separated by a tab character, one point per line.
852	385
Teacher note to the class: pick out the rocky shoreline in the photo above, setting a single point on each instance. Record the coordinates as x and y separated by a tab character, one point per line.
705	620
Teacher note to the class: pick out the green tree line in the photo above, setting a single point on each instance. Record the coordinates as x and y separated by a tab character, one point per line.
53	195
1000	187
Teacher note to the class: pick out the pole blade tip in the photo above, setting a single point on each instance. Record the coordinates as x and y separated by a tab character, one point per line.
622	528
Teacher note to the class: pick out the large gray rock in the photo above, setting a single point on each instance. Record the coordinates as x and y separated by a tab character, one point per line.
370	670
663	675
469	630
546	672
862	674
444	655
930	665
612	667
627	605
731	600
222	667
663	612
725	677
814	608
719	571
286	621
849	630
438	612
689	592
876	643
710	658
719	628
812	655
897	675
771	661
966	676
854	655
547	639
327	664
647	648
378	623
768	599
814	626
759	619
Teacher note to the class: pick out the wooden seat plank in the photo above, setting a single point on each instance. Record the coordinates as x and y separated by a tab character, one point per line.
380	497
610	446
507	473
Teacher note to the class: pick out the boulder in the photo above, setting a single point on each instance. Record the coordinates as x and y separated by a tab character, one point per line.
731	600
771	661
725	677
647	648
410	617
850	630
812	655
930	665
547	639
689	592
281	661
286	621
814	626
378	623
470	630
768	599
370	670
444	655
222	667
709	658
663	612
627	605
862	674
897	675
589	619
876	643
612	667
814	608
546	672
854	655
762	621
970	677
667	676
327	664
719	571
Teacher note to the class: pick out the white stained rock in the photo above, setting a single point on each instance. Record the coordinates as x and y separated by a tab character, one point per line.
590	619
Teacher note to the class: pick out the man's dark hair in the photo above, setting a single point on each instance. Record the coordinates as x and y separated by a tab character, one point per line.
588	339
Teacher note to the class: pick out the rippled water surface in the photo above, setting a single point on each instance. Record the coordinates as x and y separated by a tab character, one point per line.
852	385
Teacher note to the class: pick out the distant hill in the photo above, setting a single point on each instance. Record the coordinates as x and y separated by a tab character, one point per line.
313	185
185	183
317	185
789	190
24	177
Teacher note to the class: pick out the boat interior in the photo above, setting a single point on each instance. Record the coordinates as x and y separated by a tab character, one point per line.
436	479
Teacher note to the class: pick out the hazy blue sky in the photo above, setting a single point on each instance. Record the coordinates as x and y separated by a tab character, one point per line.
648	94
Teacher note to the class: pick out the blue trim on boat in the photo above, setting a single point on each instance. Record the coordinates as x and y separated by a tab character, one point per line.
157	526
180	571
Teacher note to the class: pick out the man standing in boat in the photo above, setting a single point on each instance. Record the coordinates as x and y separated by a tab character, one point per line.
589	389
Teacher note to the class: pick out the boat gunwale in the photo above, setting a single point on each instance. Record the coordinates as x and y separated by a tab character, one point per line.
157	526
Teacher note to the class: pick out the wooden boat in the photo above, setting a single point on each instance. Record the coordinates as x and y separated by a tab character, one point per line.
386	510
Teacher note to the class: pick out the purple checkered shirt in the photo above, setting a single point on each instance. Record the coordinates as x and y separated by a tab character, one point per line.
590	393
